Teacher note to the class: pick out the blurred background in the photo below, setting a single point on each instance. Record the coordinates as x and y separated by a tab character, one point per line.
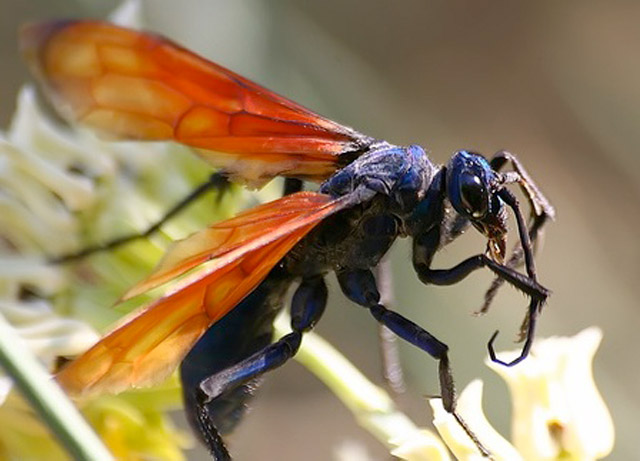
557	83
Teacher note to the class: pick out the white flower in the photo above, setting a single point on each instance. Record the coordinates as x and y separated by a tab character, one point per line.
558	412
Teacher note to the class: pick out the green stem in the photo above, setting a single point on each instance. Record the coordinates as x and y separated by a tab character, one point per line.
47	398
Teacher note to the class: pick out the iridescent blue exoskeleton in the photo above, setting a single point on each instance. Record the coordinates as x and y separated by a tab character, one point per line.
394	192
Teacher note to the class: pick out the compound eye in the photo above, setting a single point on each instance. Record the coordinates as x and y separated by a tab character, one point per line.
474	195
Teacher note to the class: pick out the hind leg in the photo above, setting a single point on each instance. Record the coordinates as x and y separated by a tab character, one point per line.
220	391
241	333
360	287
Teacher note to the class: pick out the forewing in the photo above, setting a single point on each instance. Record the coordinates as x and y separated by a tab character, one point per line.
240	253
135	85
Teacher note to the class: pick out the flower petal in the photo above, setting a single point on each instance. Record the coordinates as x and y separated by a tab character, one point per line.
557	409
469	406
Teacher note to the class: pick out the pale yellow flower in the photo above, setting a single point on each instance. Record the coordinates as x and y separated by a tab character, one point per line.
44	206
558	412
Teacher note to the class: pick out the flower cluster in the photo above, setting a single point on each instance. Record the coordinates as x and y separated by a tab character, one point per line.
62	190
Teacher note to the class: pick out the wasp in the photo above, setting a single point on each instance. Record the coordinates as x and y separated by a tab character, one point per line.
228	281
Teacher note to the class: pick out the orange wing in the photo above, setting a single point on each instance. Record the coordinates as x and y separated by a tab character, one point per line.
135	85
233	257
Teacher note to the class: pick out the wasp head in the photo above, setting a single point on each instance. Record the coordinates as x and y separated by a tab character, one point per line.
472	188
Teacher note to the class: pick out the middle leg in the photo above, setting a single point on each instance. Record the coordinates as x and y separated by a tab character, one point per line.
360	287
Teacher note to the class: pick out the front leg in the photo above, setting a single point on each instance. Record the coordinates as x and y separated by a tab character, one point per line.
541	213
425	247
360	287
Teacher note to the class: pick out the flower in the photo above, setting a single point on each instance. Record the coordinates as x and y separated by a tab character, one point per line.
469	405
49	207
558	412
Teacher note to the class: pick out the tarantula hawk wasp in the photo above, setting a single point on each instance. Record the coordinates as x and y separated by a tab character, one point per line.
229	280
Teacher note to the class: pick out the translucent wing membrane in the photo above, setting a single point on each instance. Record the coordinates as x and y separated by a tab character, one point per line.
135	85
239	253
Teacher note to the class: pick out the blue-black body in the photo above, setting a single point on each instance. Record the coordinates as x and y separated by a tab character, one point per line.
396	192
391	179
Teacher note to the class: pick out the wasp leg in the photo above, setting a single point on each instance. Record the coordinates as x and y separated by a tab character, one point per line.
541	213
527	329
217	181
307	306
360	287
527	332
425	247
428	243
244	331
539	203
